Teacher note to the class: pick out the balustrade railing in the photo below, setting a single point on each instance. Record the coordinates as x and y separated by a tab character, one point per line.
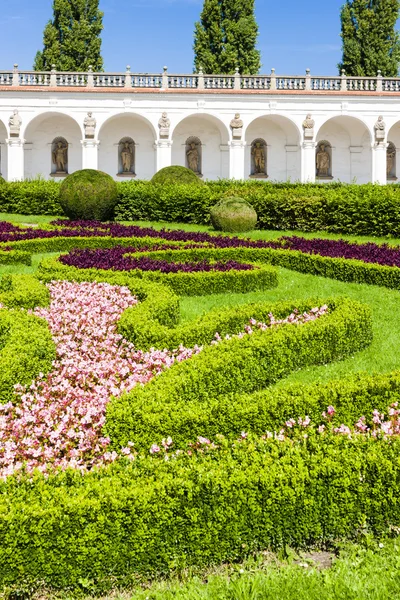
198	81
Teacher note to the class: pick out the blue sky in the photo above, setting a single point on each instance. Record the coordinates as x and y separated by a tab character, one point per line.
148	34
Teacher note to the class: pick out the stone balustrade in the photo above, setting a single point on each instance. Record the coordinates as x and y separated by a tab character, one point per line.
269	83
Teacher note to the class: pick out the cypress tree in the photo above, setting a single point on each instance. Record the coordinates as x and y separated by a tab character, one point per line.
370	40
226	37
72	39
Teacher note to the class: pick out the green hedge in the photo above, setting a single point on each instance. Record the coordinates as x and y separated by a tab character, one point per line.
106	528
26	349
337	208
23	291
173	404
15	257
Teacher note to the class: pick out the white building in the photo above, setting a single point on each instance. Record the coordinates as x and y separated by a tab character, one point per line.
127	107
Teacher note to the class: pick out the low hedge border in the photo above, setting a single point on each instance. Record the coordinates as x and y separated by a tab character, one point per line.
15	257
157	302
23	291
148	517
342	269
26	349
173	403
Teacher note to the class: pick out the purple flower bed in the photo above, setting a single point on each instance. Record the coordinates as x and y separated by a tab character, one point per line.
120	259
369	253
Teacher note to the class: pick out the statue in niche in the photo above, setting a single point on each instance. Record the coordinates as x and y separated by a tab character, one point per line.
15	123
89	125
379	128
126	157
391	161
259	159
323	161
193	157
164	124
237	127
308	126
60	156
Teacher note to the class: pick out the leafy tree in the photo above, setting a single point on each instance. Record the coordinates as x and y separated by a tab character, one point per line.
370	39
72	39
226	37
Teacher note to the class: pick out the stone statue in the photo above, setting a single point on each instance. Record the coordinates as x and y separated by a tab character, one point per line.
323	162
193	158
164	124
60	157
391	157
15	123
89	125
258	154
126	157
237	127
380	127
308	126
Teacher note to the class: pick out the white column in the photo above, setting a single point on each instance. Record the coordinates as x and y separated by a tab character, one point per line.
379	163
308	162
237	158
90	154
163	154
15	159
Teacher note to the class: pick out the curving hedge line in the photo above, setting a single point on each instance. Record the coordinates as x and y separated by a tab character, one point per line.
174	404
106	528
26	349
23	291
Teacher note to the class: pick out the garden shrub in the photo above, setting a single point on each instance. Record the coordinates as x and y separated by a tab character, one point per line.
176	174
236	365
149	517
15	257
30	197
26	349
23	291
89	195
233	215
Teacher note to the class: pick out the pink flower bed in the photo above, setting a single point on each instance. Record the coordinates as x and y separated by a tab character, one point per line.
58	421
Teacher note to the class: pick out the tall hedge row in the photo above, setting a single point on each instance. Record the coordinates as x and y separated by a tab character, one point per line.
336	208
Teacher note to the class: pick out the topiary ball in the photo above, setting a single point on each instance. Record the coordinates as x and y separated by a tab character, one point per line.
89	195
176	174
233	215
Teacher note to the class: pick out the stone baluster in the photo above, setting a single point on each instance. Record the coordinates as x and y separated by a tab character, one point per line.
128	77
379	86
200	80
53	76
165	82
90	77
343	81
273	80
15	76
308	80
238	83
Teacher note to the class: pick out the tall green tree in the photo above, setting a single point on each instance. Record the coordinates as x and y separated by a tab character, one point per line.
72	39
370	39
226	38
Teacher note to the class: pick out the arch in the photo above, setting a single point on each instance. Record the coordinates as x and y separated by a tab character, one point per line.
214	136
393	137
351	147
40	133
133	115
124	126
282	136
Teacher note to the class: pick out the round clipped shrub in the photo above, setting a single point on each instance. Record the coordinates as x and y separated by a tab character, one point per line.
89	195
233	215
176	174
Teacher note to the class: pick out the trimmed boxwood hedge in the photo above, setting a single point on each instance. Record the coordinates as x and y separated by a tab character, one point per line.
104	529
337	208
26	349
23	291
172	404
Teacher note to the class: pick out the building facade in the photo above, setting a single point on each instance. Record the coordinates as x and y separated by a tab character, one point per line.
268	127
